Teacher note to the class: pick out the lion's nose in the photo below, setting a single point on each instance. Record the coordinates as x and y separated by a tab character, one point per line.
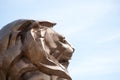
68	48
68	52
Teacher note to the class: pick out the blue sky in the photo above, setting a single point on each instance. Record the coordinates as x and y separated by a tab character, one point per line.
91	26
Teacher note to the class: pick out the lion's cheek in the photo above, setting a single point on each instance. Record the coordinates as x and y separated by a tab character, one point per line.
31	48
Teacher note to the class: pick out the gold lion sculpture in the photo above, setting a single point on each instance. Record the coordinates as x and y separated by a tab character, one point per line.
32	50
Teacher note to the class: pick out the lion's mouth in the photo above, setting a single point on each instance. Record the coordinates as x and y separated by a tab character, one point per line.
63	56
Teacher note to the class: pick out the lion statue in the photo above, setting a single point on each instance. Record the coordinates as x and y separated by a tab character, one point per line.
32	50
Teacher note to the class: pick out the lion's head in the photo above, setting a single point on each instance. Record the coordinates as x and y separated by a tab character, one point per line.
37	45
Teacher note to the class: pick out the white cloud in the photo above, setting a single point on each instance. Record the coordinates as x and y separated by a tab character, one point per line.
105	39
96	65
81	16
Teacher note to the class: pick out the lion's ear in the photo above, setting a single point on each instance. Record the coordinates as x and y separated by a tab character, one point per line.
47	24
25	26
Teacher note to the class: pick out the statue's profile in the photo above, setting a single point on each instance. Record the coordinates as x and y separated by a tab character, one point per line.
32	50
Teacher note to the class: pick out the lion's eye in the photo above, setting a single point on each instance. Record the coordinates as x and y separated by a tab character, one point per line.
63	40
